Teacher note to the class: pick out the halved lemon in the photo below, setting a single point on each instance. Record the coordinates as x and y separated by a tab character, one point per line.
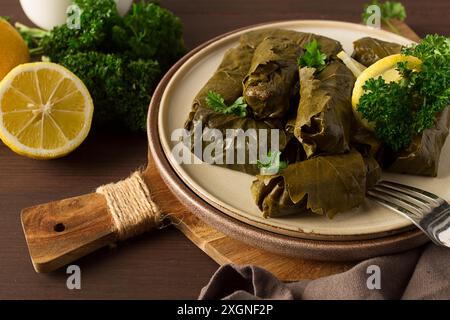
13	49
385	68
45	110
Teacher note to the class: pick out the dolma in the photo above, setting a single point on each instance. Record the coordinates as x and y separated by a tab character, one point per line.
227	81
325	185
368	50
328	46
293	152
213	120
273	73
228	78
364	140
270	83
373	172
422	156
325	114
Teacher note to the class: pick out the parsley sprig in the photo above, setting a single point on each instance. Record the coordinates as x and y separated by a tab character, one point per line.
389	10
273	165
312	57
217	103
402	110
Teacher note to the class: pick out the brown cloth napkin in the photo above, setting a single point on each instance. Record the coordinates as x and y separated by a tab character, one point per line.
423	273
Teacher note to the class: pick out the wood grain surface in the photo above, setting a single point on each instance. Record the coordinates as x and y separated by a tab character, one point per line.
157	265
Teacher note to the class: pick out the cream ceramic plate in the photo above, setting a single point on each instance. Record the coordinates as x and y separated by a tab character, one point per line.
229	191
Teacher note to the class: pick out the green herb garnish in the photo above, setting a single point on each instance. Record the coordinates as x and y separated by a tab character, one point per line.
217	103
312	57
120	59
402	110
389	10
273	164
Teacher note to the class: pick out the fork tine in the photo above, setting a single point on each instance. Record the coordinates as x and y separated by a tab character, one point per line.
395	203
412	191
404	196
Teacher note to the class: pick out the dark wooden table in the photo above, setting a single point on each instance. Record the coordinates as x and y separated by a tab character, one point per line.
162	265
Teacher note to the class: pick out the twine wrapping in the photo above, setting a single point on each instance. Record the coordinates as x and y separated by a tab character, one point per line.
131	206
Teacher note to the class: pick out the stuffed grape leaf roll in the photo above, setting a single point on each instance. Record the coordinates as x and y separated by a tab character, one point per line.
324	115
209	119
368	50
325	185
227	79
227	82
364	140
328	46
270	83
422	156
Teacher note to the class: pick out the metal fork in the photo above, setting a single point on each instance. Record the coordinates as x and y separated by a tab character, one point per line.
426	210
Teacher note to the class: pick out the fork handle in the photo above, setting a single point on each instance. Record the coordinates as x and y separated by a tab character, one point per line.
438	225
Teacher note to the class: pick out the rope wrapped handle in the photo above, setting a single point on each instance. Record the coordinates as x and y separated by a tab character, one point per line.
61	232
131	206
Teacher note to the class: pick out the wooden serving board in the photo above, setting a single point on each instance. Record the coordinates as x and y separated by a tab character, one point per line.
223	249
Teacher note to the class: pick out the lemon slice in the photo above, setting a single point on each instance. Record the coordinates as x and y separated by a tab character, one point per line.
45	110
385	68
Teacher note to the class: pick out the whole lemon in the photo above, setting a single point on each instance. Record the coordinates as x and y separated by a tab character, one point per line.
13	50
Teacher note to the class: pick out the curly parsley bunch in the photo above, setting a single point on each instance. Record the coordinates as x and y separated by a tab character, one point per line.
119	59
402	110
